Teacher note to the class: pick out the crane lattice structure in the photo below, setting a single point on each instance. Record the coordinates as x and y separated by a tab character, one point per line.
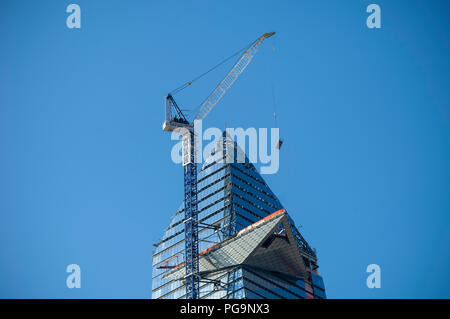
176	121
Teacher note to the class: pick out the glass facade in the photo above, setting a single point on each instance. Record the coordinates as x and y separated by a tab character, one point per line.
231	196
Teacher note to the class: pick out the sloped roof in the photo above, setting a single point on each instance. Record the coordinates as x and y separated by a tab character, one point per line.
257	245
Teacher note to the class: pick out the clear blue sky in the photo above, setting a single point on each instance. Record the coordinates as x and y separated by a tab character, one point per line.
85	169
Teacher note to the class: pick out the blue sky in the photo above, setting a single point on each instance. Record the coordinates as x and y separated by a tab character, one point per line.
86	174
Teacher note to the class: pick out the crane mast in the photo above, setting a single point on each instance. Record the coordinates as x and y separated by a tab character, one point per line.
176	121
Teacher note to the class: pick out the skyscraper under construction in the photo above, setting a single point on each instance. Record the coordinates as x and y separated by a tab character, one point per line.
249	246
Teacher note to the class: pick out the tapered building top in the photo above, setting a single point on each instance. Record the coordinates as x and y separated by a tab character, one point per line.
253	249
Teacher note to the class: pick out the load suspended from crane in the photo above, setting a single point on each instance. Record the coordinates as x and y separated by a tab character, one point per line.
176	121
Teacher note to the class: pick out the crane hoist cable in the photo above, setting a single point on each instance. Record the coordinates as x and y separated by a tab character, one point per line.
272	85
273	89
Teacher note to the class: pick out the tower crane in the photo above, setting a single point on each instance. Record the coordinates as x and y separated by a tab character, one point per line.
176	121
